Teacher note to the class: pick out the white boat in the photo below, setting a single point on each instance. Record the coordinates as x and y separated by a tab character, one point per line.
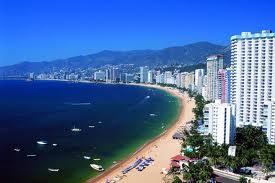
53	169
54	144
147	96
74	129
153	115
97	167
31	155
100	122
91	126
97	159
86	157
17	150
41	142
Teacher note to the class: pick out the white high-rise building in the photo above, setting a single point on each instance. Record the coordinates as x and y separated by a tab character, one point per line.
214	63
159	78
178	80
182	75
168	77
252	75
199	75
219	121
112	75
223	84
108	75
269	120
31	75
150	76
143	74
99	76
189	80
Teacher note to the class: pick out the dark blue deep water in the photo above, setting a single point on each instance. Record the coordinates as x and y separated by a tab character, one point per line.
47	110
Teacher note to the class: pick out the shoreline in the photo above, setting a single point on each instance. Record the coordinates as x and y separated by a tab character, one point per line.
115	171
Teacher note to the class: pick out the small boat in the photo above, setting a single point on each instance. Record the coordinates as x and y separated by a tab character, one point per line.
74	129
100	122
114	162
17	149
91	126
54	144
97	167
153	115
41	142
31	155
53	169
147	97
86	157
97	159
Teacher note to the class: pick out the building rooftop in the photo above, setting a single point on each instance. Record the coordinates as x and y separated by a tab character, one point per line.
248	35
214	57
180	158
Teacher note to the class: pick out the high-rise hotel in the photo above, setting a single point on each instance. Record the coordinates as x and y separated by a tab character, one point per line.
214	64
253	78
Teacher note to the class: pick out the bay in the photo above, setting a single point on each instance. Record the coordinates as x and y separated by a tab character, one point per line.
48	110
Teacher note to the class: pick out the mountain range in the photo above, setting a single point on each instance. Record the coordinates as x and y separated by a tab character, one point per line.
188	54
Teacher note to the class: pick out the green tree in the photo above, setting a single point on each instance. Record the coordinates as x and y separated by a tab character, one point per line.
198	172
266	159
243	179
250	137
198	110
194	141
176	180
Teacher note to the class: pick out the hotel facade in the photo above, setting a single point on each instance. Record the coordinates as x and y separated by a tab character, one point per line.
219	121
214	64
253	78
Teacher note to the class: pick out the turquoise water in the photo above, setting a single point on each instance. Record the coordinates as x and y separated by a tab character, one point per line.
47	110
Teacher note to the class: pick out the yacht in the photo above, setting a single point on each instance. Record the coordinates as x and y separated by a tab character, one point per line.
91	126
17	150
41	142
74	129
31	155
97	167
86	157
54	144
53	169
97	159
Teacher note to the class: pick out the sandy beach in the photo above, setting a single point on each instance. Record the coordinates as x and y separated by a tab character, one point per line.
161	149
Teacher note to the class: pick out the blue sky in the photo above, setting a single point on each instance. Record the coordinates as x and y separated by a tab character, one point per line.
43	30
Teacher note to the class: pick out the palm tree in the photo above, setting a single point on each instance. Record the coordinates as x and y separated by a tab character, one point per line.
266	159
197	172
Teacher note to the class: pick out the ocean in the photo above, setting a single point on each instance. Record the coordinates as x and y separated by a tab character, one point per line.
124	118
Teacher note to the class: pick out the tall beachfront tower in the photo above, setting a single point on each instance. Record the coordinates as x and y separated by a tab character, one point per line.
252	75
224	85
214	64
144	74
199	75
150	76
